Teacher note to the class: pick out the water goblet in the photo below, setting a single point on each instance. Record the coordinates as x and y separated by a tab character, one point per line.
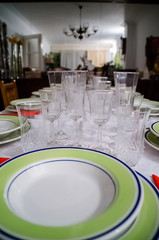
100	111
45	97
51	99
54	78
126	80
131	135
54	111
125	86
31	125
99	82
137	102
75	87
56	81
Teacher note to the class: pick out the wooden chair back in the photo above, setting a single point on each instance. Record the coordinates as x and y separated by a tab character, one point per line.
9	92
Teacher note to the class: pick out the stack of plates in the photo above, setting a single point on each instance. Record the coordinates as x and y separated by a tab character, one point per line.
152	135
35	94
75	193
12	106
9	128
153	105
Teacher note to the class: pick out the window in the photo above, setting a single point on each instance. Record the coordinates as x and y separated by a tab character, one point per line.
98	57
32	51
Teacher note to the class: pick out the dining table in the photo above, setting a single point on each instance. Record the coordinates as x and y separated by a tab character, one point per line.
147	166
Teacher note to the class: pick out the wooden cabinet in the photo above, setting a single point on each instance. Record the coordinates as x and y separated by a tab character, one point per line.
26	86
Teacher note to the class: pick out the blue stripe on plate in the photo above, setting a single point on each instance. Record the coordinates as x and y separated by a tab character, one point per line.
87	149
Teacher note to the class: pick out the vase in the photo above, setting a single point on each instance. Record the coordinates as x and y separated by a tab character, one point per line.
13	60
19	60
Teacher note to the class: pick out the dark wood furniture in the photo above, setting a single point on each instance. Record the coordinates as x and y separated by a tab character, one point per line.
26	86
9	92
148	87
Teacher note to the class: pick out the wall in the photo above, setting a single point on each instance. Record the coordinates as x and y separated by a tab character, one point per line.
142	22
130	61
109	46
16	23
144	17
146	27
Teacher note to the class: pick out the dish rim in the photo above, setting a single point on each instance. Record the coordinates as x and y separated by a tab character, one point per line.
149	142
153	130
13	119
138	201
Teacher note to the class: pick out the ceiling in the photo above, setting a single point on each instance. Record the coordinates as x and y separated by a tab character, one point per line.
108	1
51	17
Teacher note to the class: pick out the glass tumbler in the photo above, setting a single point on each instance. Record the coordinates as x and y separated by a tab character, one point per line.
125	88
32	125
130	136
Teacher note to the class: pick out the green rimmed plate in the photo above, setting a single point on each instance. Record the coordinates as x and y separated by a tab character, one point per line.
36	93
155	128
53	178
11	108
14	136
8	124
153	105
152	140
22	100
15	133
146	225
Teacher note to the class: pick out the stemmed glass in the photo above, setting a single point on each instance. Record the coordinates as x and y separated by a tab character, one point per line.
75	87
51	99
125	91
99	82
125	86
100	110
56	82
54	78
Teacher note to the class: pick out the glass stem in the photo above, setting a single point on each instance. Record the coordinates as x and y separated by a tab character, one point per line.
99	136
52	131
60	125
76	140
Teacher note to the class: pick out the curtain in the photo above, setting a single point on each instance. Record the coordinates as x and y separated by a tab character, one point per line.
98	57
71	58
151	50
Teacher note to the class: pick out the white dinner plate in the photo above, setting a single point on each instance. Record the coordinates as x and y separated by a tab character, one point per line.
155	128
11	108
5	127
152	140
14	136
36	93
67	193
146	225
23	100
8	124
153	105
14	133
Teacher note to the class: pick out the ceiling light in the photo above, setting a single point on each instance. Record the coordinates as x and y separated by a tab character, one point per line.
81	31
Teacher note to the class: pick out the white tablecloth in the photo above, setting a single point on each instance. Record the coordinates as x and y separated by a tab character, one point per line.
147	165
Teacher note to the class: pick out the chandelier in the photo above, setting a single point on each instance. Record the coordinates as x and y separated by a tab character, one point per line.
80	32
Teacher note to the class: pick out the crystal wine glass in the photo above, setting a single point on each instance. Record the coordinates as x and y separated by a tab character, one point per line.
100	82
51	99
75	87
56	81
100	109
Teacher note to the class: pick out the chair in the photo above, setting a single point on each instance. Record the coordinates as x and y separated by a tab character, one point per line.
9	92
